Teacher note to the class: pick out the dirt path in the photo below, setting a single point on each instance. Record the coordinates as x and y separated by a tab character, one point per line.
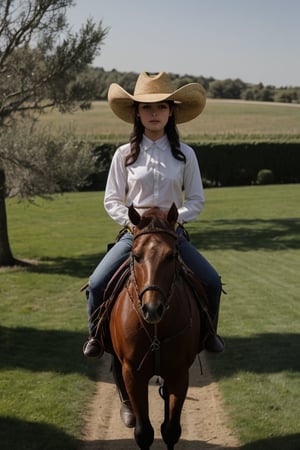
204	422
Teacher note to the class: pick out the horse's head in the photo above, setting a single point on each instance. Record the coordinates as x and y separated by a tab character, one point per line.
154	257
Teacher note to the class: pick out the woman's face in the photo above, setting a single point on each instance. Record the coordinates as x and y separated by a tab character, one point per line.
154	117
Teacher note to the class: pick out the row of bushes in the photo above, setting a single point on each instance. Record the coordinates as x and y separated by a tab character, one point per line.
226	164
245	164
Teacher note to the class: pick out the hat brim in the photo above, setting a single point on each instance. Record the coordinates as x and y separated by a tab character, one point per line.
189	101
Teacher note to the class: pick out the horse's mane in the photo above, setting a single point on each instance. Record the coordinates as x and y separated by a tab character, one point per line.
154	218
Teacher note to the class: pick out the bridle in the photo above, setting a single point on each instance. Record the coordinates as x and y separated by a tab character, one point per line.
152	287
156	231
155	342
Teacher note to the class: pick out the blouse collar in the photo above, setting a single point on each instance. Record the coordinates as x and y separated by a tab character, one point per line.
161	143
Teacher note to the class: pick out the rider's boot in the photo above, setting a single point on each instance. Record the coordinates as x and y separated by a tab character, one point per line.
126	412
214	343
92	348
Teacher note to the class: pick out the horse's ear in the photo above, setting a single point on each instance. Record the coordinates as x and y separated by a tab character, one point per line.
172	214
133	215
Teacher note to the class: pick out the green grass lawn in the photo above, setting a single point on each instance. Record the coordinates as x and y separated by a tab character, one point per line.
250	234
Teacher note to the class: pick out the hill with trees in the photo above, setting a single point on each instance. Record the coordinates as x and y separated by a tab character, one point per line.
99	80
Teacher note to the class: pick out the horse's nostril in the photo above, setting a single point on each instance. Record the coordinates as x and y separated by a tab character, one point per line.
153	312
160	310
144	309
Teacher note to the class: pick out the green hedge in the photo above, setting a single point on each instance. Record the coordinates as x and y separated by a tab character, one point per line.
103	153
239	164
228	164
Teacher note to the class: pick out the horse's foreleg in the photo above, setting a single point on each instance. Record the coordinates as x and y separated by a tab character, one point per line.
176	390
144	433
138	393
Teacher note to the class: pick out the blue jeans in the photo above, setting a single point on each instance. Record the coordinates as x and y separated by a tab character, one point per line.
121	251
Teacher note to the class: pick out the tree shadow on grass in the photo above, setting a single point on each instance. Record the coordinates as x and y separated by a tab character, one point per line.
262	353
79	266
288	442
245	235
61	351
158	444
16	434
242	235
44	351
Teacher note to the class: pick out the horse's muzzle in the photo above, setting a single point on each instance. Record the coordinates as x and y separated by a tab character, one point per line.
153	311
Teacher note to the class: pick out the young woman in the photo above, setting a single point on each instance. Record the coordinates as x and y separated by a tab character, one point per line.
154	169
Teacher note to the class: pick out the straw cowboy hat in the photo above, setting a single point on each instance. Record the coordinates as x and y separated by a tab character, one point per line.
189	100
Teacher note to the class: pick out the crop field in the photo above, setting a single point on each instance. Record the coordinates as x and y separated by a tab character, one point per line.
221	120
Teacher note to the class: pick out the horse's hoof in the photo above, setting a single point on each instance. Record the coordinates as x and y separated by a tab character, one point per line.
127	415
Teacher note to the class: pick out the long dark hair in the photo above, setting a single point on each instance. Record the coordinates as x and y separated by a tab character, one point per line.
137	136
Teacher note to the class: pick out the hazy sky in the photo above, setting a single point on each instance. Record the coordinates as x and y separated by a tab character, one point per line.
254	40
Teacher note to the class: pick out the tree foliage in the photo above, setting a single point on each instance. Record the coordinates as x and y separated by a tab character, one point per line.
223	89
37	162
41	60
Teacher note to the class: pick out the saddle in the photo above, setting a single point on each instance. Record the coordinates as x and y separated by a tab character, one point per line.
102	314
200	296
118	281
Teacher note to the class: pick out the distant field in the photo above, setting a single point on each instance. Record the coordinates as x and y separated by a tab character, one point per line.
221	120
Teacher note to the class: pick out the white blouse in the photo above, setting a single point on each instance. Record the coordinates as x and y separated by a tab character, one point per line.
155	179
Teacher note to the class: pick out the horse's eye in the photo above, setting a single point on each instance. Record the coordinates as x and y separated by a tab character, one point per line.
137	258
171	256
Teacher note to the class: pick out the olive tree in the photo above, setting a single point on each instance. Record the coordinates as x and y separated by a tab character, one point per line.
41	59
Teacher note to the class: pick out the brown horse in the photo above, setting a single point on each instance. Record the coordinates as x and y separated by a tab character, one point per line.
155	324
